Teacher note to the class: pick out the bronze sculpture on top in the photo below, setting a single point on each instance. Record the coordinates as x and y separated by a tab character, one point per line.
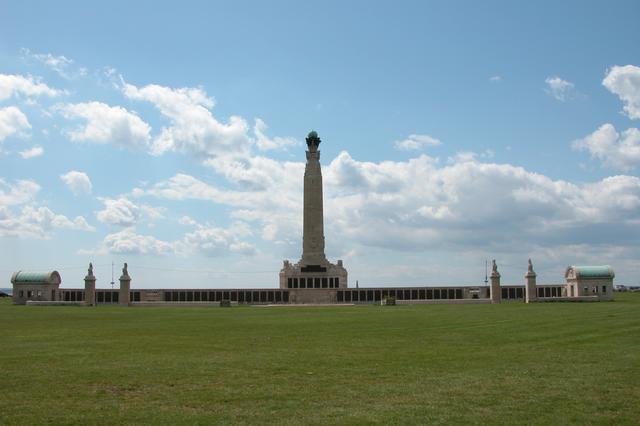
313	271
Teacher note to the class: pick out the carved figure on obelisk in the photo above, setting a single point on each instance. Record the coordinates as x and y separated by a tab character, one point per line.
494	269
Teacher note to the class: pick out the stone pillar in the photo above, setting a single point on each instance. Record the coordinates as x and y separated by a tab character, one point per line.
90	288
125	286
496	294
313	219
531	292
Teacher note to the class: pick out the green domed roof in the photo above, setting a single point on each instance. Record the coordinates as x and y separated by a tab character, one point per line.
32	277
604	271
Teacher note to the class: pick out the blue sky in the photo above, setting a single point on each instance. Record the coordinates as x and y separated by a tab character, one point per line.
171	137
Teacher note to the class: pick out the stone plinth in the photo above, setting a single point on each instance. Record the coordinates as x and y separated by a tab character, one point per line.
313	296
90	290
326	276
125	287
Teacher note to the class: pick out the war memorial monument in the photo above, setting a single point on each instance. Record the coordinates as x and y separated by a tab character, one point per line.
314	279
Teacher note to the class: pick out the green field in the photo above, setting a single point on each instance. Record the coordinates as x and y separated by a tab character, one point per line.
552	363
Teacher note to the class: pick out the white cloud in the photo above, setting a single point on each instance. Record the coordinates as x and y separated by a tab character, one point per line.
14	85
193	129
215	241
495	79
264	143
205	239
128	241
186	220
61	65
619	151
79	223
12	122
416	142
560	89
31	221
254	173
125	213
464	156
119	212
22	191
271	197
107	124
36	151
625	82
152	213
78	182
37	222
468	203
419	205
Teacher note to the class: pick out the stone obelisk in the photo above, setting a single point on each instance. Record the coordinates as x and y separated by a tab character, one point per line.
313	219
313	278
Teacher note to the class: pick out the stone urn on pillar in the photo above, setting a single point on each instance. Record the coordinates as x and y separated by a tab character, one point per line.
90	287
496	294
530	288
125	286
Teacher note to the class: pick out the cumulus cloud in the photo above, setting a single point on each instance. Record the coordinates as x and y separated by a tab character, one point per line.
625	83
464	156
78	182
265	143
274	203
37	222
61	65
12	122
107	124
206	239
128	241
619	151
560	89
193	129
118	212
31	221
420	205
416	142
468	203
123	212
36	151
187	221
215	241
18	85
20	192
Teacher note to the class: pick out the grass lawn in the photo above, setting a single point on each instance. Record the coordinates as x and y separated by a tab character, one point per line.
548	363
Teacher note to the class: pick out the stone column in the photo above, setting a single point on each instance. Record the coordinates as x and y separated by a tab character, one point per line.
90	287
313	219
531	292
125	285
496	294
